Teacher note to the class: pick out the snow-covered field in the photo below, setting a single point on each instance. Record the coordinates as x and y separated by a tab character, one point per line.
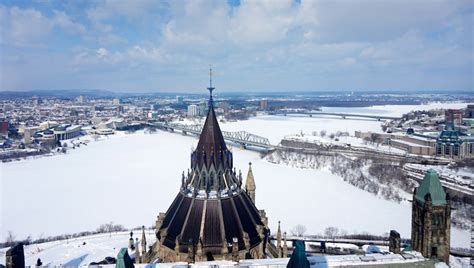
130	178
80	250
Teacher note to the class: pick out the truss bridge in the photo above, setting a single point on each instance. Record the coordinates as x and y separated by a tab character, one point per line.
242	138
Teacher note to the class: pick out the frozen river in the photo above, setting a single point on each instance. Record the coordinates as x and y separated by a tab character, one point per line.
130	178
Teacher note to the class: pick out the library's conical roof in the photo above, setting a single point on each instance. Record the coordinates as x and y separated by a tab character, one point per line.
211	209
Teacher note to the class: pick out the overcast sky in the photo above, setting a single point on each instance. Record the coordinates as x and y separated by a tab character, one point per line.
269	45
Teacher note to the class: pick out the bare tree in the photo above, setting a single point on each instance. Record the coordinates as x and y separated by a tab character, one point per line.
331	232
322	133
110	227
10	239
298	230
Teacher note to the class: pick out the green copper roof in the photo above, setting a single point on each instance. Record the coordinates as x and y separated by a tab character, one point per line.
431	185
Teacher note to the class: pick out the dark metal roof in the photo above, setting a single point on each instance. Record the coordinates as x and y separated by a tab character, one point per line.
185	222
211	148
193	225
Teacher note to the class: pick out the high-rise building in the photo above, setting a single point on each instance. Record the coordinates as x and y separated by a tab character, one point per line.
454	116
431	218
81	99
116	101
4	126
264	104
179	99
154	107
196	110
192	110
36	101
470	111
212	217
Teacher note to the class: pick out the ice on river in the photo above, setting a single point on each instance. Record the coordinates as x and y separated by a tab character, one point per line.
130	178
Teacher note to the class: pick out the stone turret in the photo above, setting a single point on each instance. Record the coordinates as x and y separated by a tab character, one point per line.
235	250
285	246
250	184
143	242
431	218
15	257
131	245
279	239
394	242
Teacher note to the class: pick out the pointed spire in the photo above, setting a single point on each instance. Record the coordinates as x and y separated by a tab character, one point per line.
279	239
285	246
250	184
143	242
210	88
211	142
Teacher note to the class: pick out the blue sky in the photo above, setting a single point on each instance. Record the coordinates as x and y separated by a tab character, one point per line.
268	45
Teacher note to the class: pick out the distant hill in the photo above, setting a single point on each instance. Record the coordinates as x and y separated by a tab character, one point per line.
59	93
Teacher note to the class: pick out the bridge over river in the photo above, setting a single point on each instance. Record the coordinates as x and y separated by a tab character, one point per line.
342	115
254	142
243	138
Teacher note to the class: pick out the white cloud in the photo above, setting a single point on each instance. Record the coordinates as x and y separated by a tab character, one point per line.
23	27
63	21
262	21
106	9
102	53
273	44
29	27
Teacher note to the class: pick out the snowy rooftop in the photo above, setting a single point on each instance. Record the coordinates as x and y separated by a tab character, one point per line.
410	143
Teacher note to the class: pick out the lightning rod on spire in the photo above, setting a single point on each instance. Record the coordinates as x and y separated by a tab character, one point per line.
210	88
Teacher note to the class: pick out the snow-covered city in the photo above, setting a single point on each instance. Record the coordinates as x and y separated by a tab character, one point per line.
123	179
238	133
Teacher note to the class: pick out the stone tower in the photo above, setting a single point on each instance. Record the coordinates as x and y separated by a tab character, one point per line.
250	184
431	218
212	216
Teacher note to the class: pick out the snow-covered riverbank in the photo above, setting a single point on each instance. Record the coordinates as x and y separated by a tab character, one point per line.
130	178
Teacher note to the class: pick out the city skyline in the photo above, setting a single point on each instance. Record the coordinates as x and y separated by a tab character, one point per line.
265	46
